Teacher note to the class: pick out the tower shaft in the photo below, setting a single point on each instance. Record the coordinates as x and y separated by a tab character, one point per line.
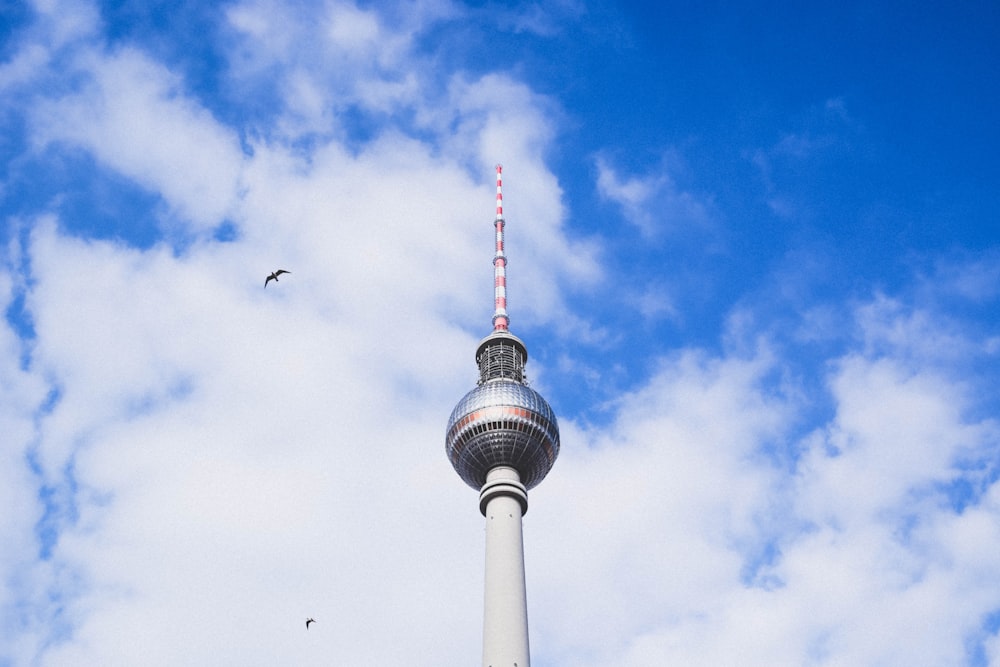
505	621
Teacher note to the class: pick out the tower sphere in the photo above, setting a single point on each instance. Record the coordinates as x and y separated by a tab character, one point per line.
502	422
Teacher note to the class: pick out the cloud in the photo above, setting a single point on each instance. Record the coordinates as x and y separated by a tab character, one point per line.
21	394
189	432
546	21
318	70
826	130
712	550
653	202
132	115
973	279
185	463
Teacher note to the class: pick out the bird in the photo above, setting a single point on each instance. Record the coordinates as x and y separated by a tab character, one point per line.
274	276
308	621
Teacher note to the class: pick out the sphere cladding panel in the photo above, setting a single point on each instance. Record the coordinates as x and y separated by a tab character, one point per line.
502	422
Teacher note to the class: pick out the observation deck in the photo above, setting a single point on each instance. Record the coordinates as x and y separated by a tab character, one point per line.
502	421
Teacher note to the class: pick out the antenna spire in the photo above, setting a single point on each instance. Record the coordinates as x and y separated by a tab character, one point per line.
500	319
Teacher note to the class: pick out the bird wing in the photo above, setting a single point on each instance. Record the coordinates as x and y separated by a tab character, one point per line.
268	279
280	271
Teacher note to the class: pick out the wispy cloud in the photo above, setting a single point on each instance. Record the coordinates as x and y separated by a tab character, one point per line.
652	202
826	128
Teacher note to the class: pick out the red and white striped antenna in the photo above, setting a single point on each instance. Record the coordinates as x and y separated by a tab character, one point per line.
500	319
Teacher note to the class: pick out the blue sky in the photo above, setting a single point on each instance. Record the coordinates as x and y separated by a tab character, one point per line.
753	251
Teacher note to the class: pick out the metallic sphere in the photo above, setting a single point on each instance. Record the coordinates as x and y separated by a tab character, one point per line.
502	422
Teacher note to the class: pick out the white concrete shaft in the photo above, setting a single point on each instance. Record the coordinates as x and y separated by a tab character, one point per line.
505	622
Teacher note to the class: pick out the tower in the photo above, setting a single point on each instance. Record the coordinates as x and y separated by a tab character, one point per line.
502	439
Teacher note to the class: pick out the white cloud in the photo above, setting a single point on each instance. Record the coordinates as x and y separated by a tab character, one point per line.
220	434
209	433
976	279
652	202
355	31
132	115
21	394
62	23
24	67
632	195
655	302
339	57
869	563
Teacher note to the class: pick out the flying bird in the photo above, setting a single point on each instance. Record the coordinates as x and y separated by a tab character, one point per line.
274	276
308	621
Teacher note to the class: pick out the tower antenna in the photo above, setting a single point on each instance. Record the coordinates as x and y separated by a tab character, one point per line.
500	319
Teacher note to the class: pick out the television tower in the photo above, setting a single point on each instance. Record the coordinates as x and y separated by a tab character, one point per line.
502	439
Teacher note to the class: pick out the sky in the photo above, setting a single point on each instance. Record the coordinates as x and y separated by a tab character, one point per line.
754	253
